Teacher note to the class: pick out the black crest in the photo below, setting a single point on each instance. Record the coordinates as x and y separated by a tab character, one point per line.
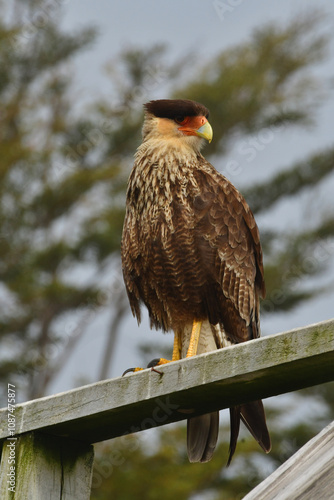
173	108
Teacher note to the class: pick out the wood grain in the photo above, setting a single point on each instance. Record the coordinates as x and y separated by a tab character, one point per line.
48	467
307	475
246	372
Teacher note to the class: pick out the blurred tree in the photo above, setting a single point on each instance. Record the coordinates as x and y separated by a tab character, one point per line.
293	256
36	250
64	172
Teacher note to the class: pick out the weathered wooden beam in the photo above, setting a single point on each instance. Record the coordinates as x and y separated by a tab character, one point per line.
257	369
45	467
307	475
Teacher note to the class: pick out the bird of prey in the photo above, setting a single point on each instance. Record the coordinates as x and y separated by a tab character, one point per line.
191	253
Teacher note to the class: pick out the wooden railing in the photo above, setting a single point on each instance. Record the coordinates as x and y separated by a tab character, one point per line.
49	441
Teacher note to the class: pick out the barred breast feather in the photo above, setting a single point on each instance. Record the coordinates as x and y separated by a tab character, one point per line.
191	247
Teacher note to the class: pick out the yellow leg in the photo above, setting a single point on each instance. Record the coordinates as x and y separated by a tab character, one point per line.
196	329
176	347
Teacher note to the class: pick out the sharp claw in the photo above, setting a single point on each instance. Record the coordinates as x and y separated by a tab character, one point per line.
131	370
154	362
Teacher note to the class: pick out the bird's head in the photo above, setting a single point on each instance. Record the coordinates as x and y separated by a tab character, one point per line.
178	122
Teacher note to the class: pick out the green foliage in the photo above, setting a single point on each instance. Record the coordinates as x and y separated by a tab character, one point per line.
303	255
42	189
291	181
63	176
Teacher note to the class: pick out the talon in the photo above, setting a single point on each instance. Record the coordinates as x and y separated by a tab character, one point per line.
132	370
158	362
152	364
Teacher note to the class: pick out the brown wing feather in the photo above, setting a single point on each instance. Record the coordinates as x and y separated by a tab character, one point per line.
226	225
196	255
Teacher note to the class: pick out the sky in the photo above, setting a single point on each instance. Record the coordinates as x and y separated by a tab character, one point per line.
206	28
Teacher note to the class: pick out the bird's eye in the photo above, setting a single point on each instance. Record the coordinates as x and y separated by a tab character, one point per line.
180	119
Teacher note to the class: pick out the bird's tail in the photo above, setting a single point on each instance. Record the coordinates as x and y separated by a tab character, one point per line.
202	431
253	416
202	435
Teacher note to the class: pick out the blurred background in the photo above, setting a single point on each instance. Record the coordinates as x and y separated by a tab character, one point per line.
74	76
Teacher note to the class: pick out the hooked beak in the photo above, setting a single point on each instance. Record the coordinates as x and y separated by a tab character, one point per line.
197	125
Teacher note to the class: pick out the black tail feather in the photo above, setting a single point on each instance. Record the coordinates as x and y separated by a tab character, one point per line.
253	416
202	435
234	431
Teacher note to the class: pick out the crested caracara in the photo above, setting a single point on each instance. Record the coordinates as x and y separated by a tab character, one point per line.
191	253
